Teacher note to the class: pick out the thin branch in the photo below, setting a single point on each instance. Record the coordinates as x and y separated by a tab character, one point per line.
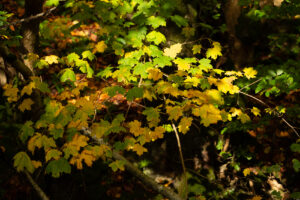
258	80
36	187
181	159
278	114
167	192
27	19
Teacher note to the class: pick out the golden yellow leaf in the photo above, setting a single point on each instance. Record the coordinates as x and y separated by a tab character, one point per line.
155	74
209	114
88	157
173	50
185	124
194	81
11	93
235	112
244	118
135	128
257	198
100	47
78	141
255	111
249	72
246	172
182	64
157	133
215	51
197	49
39	141
51	59
25	105
139	149
174	112
225	85
28	89
36	164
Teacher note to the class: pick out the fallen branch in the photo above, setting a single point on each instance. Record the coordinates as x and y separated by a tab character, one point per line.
167	192
36	187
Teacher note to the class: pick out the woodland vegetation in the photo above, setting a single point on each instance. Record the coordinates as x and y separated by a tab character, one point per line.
149	99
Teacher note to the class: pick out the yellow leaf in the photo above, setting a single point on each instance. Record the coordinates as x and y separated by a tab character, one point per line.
173	50
88	157
249	72
28	89
11	93
78	141
155	74
174	112
182	64
192	80
246	172
51	59
185	124
215	51
135	128
100	47
244	118
197	49
139	149
26	105
225	85
235	112
257	198
233	73
36	164
53	153
157	133
255	111
39	141
209	114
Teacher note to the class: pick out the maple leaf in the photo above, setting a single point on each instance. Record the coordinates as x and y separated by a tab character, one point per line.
53	153
225	85
185	124
173	50
11	93
257	198
135	128
155	37
155	74
235	112
156	22
255	111
209	114
182	64
194	81
118	164
88	157
215	51
249	72
174	112
56	167
157	133
52	3
28	89
39	141
100	47
22	161
36	164
68	75
244	118
51	59
26	104
246	172
139	149
134	92
78	141
197	49
26	131
88	54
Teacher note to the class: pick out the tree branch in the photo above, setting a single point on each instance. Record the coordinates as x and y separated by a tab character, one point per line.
167	192
36	187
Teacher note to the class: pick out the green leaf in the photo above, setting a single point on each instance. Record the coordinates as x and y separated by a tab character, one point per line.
90	72
107	72
133	93
56	167
136	36
295	195
118	164
151	113
141	69
52	3
53	153
179	21
26	131
295	147
112	91
156	22
88	54
205	64
68	75
72	58
156	37
296	164
22	162
162	61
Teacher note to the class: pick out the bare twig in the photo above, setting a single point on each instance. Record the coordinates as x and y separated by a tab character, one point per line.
258	80
36	187
278	114
181	159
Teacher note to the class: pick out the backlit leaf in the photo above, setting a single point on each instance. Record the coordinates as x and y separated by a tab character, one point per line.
215	51
156	22
249	72
68	75
209	114
173	50
39	141
25	105
255	111
184	124
11	93
155	74
174	112
197	49
100	47
88	54
246	172
52	59
155	37
28	89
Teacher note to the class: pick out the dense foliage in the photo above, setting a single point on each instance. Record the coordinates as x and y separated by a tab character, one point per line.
201	97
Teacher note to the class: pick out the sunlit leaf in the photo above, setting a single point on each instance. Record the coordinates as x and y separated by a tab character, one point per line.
173	50
249	72
25	105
